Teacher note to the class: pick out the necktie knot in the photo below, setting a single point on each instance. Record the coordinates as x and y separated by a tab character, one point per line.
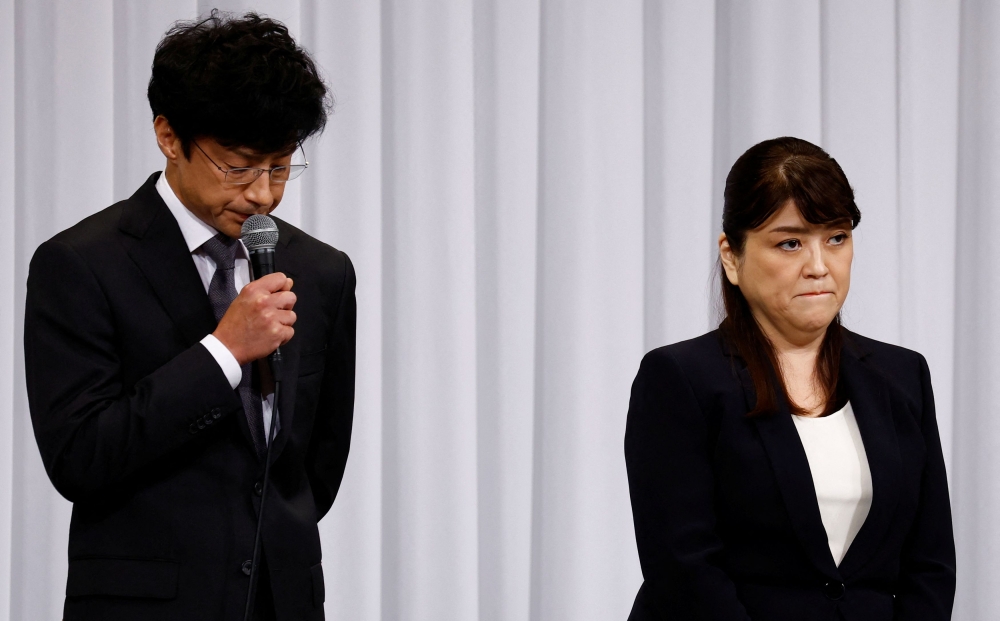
223	250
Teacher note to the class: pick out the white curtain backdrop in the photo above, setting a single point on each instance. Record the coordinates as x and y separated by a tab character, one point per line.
531	192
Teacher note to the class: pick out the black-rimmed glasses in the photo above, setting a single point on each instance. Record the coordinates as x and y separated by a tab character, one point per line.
247	175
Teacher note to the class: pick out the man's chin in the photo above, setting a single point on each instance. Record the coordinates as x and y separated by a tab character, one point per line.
232	225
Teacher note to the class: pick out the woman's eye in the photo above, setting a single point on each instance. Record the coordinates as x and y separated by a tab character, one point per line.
789	244
838	239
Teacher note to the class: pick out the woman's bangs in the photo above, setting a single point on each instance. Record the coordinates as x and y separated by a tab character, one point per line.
827	212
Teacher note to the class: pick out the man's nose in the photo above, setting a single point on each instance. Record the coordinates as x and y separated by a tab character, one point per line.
259	192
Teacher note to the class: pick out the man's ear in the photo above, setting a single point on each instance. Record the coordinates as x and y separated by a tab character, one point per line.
167	139
729	260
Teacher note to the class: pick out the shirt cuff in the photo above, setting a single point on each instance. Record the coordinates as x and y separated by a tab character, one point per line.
225	358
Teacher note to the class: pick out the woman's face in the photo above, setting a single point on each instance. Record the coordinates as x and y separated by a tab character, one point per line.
795	275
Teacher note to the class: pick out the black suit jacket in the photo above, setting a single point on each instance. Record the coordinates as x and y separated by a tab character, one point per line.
138	426
726	518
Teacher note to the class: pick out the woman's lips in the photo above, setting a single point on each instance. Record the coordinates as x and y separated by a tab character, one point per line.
814	294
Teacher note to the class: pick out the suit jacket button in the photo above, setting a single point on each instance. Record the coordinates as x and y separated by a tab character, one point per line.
247	566
192	428
216	413
834	590
258	488
201	423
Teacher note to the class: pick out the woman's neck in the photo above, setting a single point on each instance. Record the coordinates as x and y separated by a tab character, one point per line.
798	356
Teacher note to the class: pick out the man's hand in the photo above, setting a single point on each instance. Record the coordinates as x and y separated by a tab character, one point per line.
260	318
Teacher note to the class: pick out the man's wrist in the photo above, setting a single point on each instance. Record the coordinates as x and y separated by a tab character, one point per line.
227	361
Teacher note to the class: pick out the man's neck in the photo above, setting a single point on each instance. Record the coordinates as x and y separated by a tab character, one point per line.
170	172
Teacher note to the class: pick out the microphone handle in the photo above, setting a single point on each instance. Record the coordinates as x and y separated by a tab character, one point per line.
262	264
275	361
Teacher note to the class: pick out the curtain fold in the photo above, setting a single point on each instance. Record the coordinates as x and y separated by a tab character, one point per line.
531	193
346	210
9	337
429	516
590	336
506	85
976	426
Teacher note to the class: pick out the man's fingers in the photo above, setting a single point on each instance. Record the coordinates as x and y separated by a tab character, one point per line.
261	320
272	283
284	300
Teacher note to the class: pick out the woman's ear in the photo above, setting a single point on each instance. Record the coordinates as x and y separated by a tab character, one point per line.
729	260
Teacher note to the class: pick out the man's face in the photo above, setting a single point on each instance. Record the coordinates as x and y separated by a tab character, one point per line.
202	187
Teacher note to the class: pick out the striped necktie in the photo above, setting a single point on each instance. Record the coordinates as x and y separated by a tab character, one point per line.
221	293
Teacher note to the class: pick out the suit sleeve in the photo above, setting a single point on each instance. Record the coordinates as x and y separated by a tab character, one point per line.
926	589
672	489
331	436
94	433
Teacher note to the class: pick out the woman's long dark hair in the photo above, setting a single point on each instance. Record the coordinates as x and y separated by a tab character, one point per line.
761	181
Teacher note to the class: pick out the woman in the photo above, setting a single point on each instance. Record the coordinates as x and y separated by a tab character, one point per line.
782	467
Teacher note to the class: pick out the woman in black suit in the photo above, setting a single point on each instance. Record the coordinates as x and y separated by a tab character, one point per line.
782	467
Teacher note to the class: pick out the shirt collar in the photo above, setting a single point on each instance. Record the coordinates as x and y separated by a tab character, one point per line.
195	231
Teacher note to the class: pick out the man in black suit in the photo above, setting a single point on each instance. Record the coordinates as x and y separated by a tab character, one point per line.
147	399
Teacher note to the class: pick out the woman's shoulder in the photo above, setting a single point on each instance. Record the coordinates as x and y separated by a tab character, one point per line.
707	345
884	356
696	359
904	369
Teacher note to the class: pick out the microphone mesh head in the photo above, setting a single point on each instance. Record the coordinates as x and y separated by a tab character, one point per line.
259	232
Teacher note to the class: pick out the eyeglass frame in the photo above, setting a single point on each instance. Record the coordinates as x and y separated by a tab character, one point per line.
259	171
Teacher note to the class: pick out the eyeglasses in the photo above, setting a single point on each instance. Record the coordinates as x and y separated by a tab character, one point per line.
244	176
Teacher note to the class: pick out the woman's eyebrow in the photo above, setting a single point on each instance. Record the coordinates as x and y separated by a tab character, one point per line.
801	230
798	230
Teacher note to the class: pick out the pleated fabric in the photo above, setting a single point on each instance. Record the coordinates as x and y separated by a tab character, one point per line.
530	191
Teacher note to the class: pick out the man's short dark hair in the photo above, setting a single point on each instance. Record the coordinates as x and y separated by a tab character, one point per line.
240	80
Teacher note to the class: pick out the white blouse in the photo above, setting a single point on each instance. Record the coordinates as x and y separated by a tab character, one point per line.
840	473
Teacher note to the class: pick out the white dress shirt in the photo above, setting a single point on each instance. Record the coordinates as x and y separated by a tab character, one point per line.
195	234
840	473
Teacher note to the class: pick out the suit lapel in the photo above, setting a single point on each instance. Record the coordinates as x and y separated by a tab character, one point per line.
873	410
791	470
156	245
869	395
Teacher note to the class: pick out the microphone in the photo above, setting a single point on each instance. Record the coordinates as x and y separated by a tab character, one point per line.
260	236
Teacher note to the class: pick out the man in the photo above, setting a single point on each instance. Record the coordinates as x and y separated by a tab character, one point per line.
147	384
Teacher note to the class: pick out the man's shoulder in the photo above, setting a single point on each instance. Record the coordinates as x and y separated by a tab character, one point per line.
95	241
313	264
101	231
96	246
304	250
96	230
